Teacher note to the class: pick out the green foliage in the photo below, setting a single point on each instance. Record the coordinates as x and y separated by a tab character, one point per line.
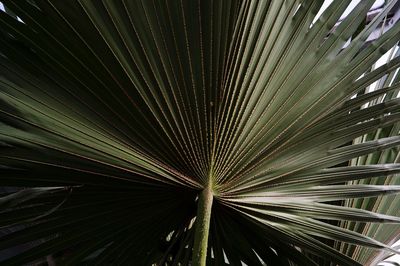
116	115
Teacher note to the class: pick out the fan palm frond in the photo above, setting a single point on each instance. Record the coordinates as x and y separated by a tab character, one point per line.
194	132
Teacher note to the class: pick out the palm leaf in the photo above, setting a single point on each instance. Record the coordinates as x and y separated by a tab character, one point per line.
178	132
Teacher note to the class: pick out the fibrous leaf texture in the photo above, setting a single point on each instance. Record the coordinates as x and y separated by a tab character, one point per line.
120	118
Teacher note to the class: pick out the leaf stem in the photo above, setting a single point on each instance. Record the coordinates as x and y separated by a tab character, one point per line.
202	226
